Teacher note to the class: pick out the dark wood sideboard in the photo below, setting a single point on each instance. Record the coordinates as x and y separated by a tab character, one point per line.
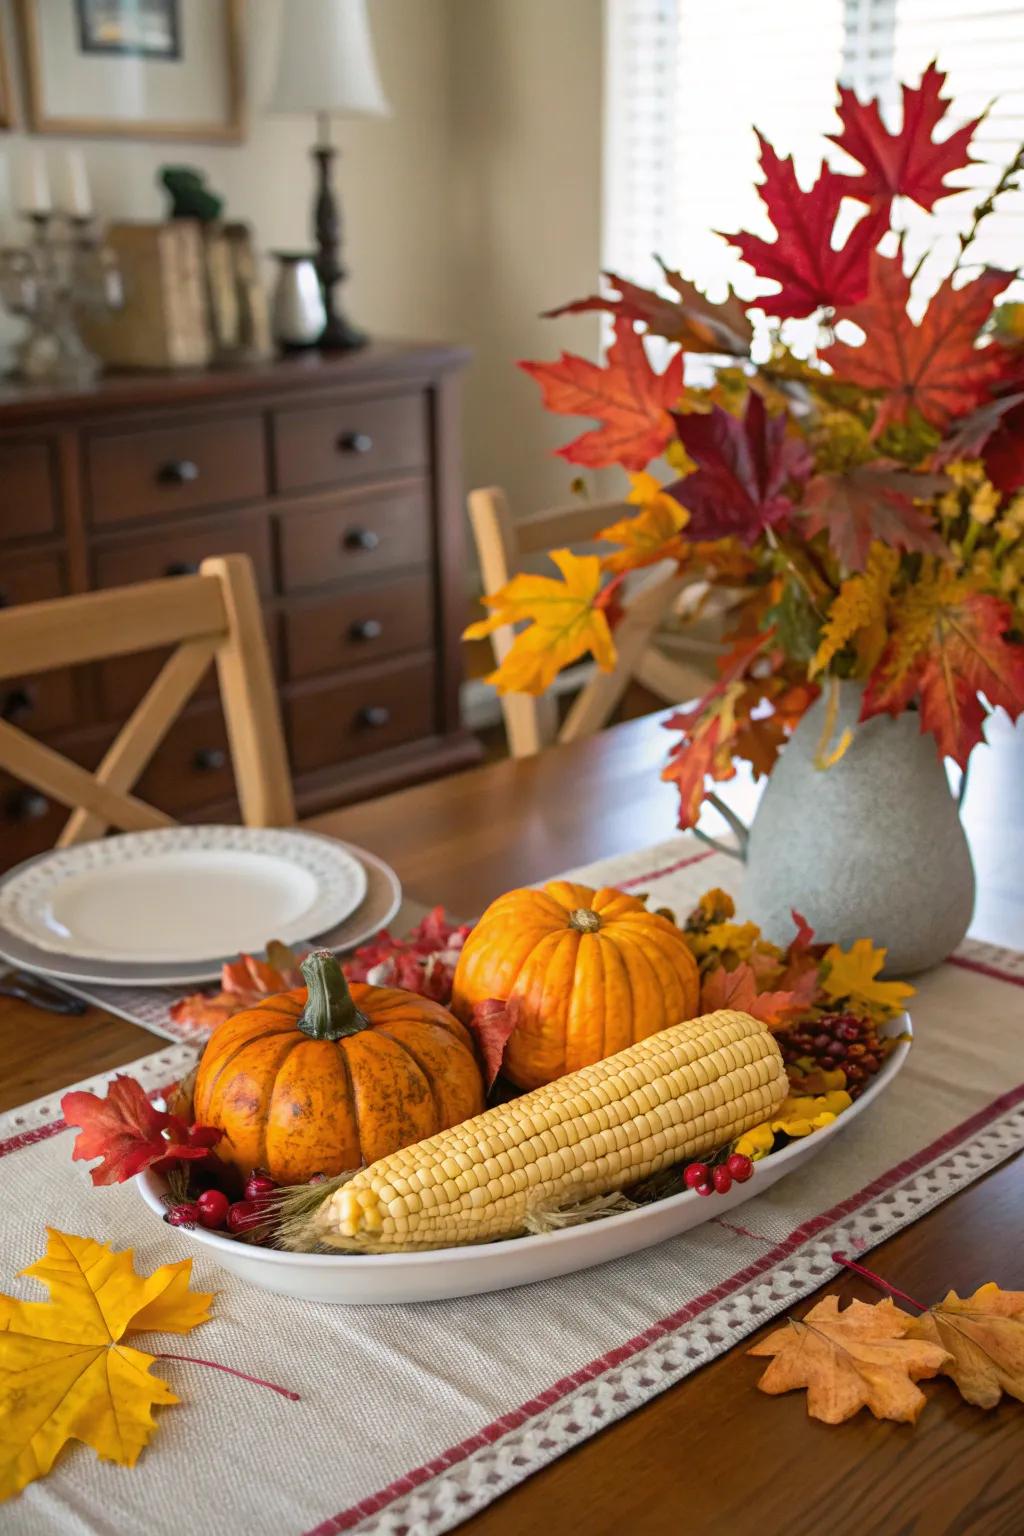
338	476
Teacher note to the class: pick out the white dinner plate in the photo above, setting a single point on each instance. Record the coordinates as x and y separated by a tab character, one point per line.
440	1273
93	977
181	895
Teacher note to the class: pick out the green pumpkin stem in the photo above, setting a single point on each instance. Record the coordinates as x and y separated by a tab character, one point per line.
330	1013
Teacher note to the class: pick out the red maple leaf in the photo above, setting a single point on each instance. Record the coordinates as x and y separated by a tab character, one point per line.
873	501
934	367
804	936
802	259
738	989
743	466
1003	455
631	401
908	163
971	433
128	1133
491	1023
688	317
950	644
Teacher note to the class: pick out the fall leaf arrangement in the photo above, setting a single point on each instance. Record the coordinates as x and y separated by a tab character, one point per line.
865	504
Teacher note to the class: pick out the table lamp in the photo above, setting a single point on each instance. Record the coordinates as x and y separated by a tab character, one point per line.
326	66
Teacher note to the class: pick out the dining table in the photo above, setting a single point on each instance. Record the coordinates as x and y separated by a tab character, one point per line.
711	1453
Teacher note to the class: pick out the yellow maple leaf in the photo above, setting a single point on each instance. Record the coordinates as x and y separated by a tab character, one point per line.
984	1337
649	535
860	1358
565	622
853	974
64	1372
859	610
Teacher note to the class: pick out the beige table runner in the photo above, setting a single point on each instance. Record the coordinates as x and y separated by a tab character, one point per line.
411	1418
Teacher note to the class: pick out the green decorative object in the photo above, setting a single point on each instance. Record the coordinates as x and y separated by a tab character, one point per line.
190	196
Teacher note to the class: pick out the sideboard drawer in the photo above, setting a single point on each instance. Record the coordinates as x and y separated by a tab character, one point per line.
175	469
372	709
180	553
357	537
192	768
366	624
45	701
30	581
28	490
350	441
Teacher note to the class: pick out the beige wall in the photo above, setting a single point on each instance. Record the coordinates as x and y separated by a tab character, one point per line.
470	210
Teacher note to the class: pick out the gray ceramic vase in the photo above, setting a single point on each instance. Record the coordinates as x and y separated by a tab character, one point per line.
869	848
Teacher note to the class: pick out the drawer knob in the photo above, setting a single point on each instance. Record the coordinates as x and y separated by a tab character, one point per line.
182	568
27	805
366	629
19	704
210	759
361	538
374	715
355	442
178	472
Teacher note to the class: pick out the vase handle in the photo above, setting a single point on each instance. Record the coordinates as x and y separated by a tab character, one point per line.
741	830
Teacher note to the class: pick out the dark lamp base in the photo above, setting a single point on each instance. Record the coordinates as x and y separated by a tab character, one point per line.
340	335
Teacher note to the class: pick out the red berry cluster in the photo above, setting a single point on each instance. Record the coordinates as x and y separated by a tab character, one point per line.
836	1040
214	1211
707	1180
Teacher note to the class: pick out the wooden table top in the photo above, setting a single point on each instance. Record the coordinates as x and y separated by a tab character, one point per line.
711	1455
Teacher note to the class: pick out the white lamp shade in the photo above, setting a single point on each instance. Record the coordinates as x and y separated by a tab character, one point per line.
326	61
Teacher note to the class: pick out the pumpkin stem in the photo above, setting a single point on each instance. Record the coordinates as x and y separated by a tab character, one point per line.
330	1013
584	920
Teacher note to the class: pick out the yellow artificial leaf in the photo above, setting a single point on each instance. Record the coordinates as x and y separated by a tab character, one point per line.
860	1358
854	973
565	622
64	1372
802	1114
859	611
755	1143
984	1337
649	535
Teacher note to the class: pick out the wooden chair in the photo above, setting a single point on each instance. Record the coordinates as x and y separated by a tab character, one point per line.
211	617
503	542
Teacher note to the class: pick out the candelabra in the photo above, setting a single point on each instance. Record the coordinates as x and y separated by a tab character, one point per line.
64	269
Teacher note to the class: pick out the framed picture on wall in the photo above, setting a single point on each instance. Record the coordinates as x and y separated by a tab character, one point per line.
154	69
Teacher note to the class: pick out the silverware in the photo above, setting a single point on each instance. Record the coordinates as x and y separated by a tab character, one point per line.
42	994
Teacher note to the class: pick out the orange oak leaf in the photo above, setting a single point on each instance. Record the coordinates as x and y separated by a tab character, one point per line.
627	397
738	989
802	259
860	1358
869	502
983	1336
650	534
128	1133
244	983
687	317
934	367
908	163
566	620
950	643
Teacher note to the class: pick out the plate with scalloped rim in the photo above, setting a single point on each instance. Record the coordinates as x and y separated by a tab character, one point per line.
440	1273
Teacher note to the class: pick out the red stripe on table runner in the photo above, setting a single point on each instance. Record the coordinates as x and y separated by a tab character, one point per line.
54	1127
495	1431
670	869
984	969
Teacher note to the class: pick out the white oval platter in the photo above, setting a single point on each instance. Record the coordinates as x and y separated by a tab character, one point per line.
438	1274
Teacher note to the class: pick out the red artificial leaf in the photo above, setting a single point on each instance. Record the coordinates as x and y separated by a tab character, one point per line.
971	433
908	163
804	936
491	1024
424	961
873	501
127	1132
738	989
934	367
743	466
244	983
688	317
692	763
1003	456
631	401
802	259
950	644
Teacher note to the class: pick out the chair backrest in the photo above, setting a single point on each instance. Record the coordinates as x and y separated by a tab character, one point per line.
502	543
213	617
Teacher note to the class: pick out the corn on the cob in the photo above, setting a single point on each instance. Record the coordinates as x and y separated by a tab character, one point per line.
675	1095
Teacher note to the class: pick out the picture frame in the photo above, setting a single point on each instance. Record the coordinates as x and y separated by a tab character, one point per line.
6	92
139	69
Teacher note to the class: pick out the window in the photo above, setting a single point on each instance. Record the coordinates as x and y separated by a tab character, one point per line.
687	80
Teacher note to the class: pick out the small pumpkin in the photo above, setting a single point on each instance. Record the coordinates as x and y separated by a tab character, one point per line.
590	972
328	1077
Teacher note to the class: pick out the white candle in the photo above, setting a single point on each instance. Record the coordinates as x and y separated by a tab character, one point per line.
73	195
32	182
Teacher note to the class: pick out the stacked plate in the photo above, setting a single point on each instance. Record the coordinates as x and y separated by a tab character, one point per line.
170	907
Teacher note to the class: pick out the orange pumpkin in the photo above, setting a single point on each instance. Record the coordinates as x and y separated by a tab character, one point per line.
590	972
329	1078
